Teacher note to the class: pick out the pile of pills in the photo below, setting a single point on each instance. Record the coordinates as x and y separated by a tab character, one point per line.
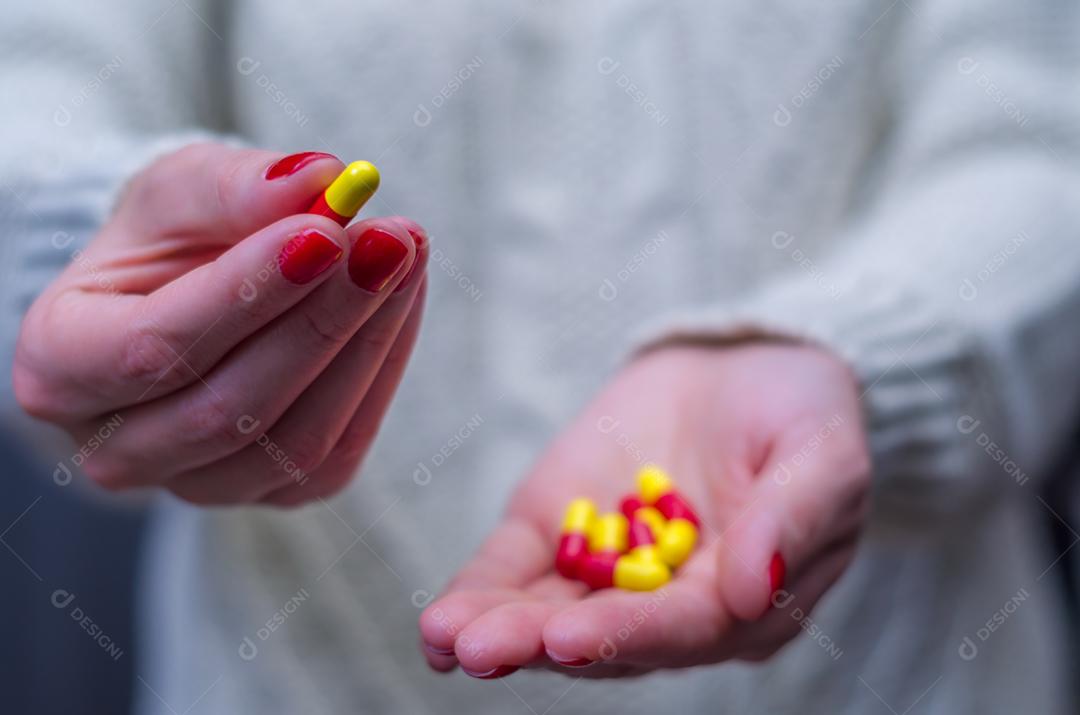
637	547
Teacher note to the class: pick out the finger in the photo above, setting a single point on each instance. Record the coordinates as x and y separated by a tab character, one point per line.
506	636
362	422
324	433
803	499
447	617
213	191
512	557
258	380
438	661
134	349
680	624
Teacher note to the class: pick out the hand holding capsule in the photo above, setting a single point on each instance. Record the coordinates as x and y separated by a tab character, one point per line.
244	349
732	426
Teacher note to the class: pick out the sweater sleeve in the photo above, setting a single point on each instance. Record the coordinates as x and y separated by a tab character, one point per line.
954	292
92	95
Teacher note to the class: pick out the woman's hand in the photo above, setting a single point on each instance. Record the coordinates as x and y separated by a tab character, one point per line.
214	340
765	440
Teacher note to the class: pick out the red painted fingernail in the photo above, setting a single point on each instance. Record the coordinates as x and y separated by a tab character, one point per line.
289	165
306	255
420	239
500	672
574	663
376	258
777	570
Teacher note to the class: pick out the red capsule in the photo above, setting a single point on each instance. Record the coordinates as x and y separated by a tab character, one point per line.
574	542
641	534
598	570
627	571
630	504
572	547
321	208
673	506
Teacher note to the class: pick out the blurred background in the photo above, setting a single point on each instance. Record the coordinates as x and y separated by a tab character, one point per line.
72	555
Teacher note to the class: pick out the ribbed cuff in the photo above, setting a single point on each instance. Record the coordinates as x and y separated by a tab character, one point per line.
925	381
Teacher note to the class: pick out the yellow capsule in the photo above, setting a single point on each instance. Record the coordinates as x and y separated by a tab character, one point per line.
352	189
646	552
640	574
653	483
677	541
609	532
579	515
653	518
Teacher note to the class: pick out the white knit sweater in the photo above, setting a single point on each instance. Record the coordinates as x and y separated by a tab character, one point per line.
897	180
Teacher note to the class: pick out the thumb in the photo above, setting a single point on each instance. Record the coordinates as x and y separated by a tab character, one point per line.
810	493
218	193
752	565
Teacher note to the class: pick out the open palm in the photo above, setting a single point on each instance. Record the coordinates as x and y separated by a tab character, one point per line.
765	440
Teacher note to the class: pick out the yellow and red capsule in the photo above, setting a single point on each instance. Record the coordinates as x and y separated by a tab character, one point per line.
629	571
681	524
348	193
574	543
609	533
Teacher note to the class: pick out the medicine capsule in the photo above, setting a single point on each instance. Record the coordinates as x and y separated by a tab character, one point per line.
630	504
640	534
677	541
609	533
633	573
642	541
653	482
348	193
573	544
633	507
658	489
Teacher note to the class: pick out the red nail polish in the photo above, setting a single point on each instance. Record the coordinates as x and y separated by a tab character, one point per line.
574	663
500	672
376	258
289	165
306	255
419	237
777	570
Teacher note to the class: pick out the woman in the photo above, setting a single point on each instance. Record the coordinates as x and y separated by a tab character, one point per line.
773	256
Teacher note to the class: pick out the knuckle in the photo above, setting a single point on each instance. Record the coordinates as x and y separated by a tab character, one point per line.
148	357
33	395
326	331
34	392
354	444
308	449
378	336
208	420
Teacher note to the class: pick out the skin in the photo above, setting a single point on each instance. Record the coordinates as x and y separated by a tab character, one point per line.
175	319
150	327
745	432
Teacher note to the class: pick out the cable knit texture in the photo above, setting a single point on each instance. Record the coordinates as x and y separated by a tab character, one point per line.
895	181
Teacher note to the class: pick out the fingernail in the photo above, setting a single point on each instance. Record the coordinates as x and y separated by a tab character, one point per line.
438	651
500	672
376	258
777	571
420	239
289	165
570	662
306	255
